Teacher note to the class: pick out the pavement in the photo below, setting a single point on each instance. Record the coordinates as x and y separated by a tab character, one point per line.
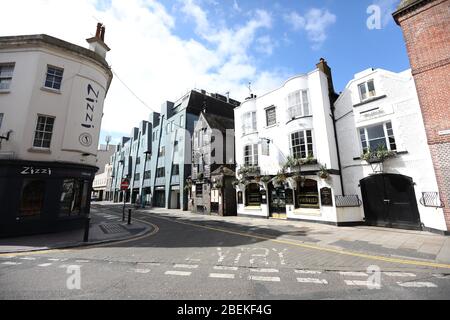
104	228
192	257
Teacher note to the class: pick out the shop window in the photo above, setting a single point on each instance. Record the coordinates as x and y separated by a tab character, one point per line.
32	198
73	197
253	195
308	195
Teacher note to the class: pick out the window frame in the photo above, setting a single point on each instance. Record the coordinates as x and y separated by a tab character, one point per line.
253	156
7	77
269	109
43	132
299	107
308	145
52	87
368	92
365	140
250	124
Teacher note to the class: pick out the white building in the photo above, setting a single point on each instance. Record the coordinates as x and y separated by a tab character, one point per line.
51	105
379	107
292	121
103	179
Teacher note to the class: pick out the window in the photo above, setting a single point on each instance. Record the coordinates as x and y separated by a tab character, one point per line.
138	160
302	145
377	136
44	132
308	195
271	115
367	90
162	152
249	123
73	197
253	195
265	145
176	170
54	78
32	198
251	155
160	173
137	177
6	74
147	175
298	104
199	190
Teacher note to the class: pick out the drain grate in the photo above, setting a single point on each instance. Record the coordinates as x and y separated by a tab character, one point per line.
112	228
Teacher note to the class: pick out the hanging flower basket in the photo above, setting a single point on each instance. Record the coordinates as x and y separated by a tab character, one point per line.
380	155
323	172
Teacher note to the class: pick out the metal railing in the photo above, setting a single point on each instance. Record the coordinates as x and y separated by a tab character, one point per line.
351	201
431	200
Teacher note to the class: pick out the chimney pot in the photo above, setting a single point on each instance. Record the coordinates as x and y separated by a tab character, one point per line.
98	32
102	34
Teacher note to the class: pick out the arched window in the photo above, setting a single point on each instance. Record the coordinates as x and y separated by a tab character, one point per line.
32	198
253	195
308	195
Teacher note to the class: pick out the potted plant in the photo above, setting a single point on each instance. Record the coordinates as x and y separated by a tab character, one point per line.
280	179
323	172
293	164
380	155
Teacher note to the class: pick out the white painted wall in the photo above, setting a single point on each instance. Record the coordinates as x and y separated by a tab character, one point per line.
401	107
26	98
323	136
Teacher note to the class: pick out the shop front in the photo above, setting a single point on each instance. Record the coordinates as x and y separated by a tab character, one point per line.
40	197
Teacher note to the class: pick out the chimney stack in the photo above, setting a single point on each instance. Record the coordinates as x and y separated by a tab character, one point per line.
97	43
323	66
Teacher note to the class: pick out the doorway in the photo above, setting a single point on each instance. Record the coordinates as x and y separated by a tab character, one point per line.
277	202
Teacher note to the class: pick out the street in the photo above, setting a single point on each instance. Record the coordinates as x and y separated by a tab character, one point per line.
198	259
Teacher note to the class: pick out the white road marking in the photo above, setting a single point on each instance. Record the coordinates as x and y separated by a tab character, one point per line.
185	266
10	263
54	260
265	270
353	274
308	272
358	283
178	273
267	279
28	259
222	276
143	271
82	261
44	265
400	274
417	285
311	280
442	276
225	268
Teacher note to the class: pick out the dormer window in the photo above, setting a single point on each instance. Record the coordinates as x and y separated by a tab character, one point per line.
367	90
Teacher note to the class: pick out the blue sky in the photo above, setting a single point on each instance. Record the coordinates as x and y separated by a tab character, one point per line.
163	48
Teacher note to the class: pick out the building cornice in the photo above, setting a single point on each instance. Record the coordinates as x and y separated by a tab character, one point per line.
408	6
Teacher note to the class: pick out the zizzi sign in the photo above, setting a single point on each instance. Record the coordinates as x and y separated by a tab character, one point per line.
91	104
31	171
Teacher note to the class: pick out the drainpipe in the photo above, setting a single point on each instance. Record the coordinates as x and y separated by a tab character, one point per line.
323	66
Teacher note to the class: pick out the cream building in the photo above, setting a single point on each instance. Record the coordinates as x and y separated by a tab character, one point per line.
51	105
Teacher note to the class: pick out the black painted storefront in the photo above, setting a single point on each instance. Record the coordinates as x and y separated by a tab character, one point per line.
43	197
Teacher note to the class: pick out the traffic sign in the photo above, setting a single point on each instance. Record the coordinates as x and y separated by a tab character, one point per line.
125	184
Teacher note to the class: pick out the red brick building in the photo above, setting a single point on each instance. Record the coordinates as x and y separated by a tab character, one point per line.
426	28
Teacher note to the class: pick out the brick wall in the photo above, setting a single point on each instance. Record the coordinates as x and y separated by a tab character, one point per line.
426	29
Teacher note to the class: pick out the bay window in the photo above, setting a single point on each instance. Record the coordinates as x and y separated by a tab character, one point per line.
251	155
249	123
298	104
302	145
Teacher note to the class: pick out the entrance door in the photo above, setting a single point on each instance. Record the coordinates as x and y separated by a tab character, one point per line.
390	201
277	202
160	199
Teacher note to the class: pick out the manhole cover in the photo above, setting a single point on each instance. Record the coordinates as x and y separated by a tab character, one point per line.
112	228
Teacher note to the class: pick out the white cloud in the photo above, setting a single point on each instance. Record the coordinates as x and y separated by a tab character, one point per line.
146	53
315	23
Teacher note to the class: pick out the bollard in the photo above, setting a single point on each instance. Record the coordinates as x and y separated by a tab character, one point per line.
129	216
87	225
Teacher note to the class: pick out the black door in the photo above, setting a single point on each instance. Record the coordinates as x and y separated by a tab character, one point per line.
277	202
390	201
160	199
